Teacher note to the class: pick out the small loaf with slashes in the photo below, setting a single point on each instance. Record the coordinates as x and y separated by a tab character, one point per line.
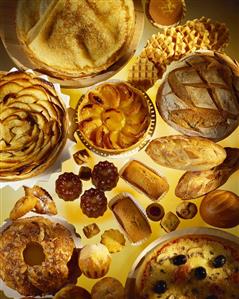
188	153
194	184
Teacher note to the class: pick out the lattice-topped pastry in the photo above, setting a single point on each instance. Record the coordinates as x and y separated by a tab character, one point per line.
175	42
32	124
113	117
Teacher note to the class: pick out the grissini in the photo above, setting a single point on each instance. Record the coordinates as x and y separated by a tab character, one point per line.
186	153
194	184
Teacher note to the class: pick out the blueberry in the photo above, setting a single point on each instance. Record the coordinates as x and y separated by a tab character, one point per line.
200	273
160	287
219	261
211	297
179	259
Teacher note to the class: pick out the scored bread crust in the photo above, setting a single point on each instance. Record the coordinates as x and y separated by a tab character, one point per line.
186	153
200	96
34	125
193	184
84	52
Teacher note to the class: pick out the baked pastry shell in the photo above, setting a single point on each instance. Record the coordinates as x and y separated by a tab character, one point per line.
11	293
212	233
17	53
133	149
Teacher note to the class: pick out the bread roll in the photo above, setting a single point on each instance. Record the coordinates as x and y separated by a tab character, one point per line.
194	184
221	209
200	96
188	153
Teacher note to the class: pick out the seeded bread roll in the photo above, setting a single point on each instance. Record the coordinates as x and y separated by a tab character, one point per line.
188	153
200	96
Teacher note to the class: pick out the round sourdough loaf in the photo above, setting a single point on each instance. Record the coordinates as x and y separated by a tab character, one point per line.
200	96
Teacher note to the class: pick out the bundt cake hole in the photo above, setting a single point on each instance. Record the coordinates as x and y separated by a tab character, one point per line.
33	254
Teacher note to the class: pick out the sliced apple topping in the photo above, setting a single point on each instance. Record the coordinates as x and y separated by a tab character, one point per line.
113	119
121	120
33	125
90	111
110	95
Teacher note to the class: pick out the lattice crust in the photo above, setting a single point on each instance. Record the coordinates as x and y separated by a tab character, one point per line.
143	74
200	96
175	42
32	125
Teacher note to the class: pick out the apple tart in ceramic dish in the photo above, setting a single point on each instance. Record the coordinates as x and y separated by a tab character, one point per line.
114	118
33	125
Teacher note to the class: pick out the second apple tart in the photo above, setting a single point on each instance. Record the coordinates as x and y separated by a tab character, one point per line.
33	125
115	118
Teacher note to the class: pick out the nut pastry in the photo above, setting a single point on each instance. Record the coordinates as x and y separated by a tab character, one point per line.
43	276
33	126
72	43
113	117
200	96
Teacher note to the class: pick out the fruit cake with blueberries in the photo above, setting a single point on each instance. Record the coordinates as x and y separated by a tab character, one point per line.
190	267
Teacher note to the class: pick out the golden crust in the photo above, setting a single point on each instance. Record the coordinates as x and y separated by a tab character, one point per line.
78	44
188	153
193	184
57	245
108	288
185	103
33	125
24	205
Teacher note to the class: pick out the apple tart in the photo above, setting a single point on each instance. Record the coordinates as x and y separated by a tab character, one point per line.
72	38
114	118
33	125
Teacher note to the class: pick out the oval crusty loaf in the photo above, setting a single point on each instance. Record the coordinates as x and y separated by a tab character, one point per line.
194	184
188	153
200	96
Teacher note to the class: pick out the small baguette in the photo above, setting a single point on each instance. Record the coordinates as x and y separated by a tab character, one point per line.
187	153
194	184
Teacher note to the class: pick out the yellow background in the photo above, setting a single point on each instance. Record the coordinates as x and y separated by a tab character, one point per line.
220	10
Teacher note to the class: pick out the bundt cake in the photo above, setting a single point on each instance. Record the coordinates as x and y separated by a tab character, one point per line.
47	268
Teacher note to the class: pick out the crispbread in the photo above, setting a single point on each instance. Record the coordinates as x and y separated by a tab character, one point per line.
188	153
